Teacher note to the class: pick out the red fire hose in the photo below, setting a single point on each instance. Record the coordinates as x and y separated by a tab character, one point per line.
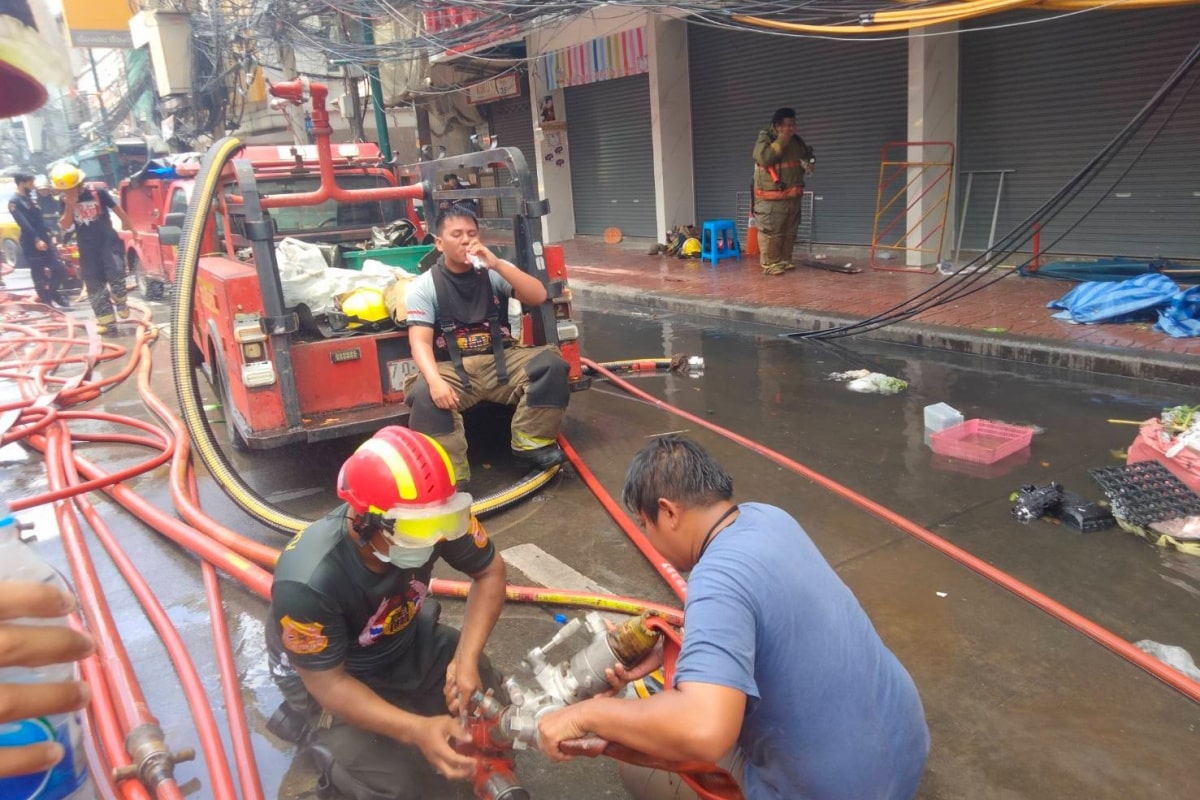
1103	636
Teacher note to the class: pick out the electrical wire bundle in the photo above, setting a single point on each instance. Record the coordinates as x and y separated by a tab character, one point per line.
231	38
976	274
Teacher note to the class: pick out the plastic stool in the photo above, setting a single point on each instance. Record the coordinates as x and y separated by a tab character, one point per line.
718	240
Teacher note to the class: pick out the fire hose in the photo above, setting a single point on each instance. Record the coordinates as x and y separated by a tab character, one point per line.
37	419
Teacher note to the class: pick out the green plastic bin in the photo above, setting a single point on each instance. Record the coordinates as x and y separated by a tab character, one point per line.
405	258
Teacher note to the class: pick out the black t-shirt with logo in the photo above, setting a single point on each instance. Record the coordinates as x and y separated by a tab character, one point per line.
328	609
93	225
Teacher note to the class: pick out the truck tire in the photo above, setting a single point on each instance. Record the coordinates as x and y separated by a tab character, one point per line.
221	390
149	288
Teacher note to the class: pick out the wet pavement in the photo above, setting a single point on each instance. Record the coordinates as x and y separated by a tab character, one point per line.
1019	705
1007	320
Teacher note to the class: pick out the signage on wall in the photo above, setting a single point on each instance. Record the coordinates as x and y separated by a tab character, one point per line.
493	89
99	23
617	56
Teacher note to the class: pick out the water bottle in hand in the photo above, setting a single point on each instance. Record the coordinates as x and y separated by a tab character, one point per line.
69	779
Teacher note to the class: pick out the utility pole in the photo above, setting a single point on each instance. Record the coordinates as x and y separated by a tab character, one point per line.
96	82
294	114
381	121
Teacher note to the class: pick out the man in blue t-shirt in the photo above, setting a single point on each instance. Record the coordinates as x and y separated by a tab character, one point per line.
778	657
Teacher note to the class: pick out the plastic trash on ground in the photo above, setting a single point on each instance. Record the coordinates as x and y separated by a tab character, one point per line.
940	416
1171	655
867	382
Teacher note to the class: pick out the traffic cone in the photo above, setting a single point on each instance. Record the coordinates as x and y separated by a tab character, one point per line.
751	237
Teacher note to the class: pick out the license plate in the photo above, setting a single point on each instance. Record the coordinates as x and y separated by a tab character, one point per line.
399	372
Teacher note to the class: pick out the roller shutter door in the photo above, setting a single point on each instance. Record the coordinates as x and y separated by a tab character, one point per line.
512	124
1044	98
850	100
612	156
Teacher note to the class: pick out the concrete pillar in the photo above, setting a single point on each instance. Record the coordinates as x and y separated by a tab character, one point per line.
932	116
552	160
671	122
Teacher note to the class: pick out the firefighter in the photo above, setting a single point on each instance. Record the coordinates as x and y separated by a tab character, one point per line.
781	161
372	682
86	208
51	206
459	333
37	242
778	656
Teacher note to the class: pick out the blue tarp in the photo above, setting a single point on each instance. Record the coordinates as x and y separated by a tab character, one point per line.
1140	298
1112	270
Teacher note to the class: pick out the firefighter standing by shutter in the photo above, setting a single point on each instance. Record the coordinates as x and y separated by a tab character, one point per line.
459	333
781	160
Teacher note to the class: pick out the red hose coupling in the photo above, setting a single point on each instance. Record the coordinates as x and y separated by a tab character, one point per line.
494	777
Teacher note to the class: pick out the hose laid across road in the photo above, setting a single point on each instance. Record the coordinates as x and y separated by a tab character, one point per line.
1173	678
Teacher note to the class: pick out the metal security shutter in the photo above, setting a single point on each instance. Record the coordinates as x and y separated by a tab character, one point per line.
512	124
612	156
850	100
1044	98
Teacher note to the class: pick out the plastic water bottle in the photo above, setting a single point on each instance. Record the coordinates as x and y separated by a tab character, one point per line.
69	779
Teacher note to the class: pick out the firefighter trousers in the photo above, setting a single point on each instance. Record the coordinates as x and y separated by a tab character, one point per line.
778	222
537	386
104	276
356	764
47	273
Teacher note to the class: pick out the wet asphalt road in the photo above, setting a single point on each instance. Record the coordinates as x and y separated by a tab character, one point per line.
1019	705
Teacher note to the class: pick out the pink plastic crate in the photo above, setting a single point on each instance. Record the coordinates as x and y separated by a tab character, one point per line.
981	440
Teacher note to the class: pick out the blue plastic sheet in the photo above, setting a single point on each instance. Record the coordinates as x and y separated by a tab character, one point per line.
1141	298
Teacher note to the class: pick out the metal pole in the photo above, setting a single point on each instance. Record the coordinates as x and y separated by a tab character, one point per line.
96	81
962	226
381	122
996	209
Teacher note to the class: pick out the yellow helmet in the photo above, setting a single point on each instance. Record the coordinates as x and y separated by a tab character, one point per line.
690	248
364	305
66	176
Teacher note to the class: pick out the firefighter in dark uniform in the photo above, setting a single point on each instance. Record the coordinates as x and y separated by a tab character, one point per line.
372	682
51	206
781	161
459	333
37	242
86	208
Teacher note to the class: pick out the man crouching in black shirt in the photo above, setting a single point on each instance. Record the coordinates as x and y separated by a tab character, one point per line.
372	682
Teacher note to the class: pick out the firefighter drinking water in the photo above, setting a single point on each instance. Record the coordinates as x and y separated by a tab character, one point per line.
781	160
459	333
372	682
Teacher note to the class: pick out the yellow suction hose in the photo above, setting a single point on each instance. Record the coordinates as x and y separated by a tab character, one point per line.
187	388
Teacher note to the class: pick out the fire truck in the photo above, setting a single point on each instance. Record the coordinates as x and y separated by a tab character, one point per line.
280	378
149	200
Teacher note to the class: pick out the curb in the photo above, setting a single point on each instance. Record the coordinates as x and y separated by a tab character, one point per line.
1122	362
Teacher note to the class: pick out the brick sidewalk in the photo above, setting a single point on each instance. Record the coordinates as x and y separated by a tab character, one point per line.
1014	308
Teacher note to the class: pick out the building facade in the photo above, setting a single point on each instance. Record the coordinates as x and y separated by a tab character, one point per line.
643	121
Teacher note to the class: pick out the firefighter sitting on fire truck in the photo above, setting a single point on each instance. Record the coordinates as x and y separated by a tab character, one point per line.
371	680
459	333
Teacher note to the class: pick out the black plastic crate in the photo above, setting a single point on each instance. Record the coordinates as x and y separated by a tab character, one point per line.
1145	493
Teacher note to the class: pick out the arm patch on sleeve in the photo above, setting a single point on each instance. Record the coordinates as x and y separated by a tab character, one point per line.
302	638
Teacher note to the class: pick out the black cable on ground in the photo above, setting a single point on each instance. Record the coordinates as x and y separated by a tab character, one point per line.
956	286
